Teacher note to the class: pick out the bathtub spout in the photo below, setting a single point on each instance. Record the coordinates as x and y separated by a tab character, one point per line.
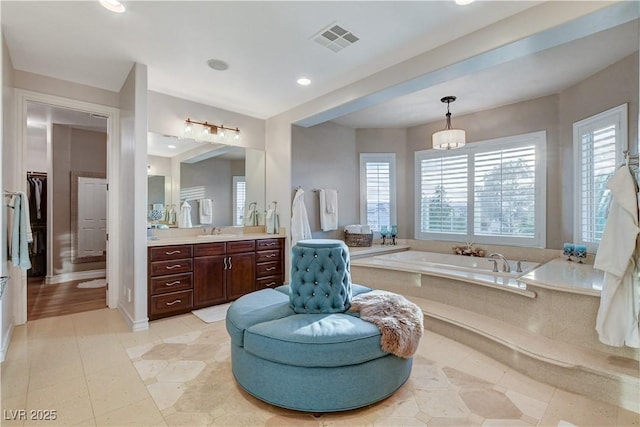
505	264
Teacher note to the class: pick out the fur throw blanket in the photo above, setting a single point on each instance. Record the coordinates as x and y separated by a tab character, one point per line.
400	321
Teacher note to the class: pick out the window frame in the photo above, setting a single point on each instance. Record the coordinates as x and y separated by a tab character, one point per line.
389	158
236	179
538	140
617	116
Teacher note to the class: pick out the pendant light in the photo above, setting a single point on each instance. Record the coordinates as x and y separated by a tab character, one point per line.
448	138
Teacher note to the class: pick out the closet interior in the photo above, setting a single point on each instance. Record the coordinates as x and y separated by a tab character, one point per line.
37	196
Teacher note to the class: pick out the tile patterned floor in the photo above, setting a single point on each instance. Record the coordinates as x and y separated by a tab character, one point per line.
92	371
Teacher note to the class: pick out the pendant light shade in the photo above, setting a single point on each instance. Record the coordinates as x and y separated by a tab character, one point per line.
448	138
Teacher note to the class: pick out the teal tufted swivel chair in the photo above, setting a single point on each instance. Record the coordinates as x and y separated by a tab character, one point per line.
320	277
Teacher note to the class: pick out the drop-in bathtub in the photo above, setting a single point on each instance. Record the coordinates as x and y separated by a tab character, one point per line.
464	268
457	262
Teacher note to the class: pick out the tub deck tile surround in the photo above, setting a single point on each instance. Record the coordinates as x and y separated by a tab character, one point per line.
568	276
546	335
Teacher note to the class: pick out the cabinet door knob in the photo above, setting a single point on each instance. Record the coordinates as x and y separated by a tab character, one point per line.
270	256
171	267
224	261
270	283
177	282
230	265
172	252
270	244
270	268
174	302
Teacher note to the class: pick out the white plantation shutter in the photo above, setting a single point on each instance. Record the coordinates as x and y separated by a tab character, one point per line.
377	184
239	197
504	193
443	194
486	192
598	142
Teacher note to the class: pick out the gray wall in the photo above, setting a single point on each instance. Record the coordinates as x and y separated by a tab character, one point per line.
74	150
391	141
607	89
324	156
327	155
524	117
216	176
8	145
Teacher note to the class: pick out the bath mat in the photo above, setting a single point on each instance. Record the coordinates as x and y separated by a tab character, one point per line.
98	283
212	314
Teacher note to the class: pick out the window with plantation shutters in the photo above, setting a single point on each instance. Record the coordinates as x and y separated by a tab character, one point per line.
239	197
504	196
378	190
487	192
443	195
598	143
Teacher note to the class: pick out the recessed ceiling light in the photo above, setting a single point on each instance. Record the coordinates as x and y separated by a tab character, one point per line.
113	5
463	2
171	146
303	81
217	64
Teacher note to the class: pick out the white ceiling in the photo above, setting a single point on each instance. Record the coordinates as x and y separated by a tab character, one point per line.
268	45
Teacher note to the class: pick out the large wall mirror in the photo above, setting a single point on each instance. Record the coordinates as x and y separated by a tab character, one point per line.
182	170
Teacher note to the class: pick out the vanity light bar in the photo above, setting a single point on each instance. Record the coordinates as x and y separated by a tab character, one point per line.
212	129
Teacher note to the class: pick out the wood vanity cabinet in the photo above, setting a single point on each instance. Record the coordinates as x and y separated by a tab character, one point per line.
170	280
186	277
241	268
269	263
223	271
209	274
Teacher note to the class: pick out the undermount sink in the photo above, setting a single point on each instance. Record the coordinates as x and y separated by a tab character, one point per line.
215	236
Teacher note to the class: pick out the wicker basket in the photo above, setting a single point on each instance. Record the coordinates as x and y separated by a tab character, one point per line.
358	240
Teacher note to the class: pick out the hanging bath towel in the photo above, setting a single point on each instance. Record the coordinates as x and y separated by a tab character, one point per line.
185	215
251	216
328	209
21	232
205	211
300	228
617	319
273	223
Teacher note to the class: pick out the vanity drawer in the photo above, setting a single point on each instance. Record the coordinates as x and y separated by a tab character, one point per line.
269	282
171	303
263	256
163	268
240	246
170	252
269	244
209	249
171	283
269	269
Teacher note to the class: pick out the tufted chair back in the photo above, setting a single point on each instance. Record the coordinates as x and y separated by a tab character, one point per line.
320	277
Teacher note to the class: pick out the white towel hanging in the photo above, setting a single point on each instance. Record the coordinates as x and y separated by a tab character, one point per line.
328	209
205	211
185	215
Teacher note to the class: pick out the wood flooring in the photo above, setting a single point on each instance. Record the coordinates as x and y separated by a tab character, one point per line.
63	298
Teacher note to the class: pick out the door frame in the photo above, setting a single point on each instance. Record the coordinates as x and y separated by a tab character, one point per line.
23	97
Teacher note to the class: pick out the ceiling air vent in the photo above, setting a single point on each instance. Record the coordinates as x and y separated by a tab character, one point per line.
335	38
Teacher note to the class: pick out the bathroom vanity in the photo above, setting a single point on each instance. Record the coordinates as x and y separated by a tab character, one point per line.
191	273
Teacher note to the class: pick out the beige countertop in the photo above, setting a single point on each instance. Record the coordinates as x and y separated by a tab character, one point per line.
209	238
567	276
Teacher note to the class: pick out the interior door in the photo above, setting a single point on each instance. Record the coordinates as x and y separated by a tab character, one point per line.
92	216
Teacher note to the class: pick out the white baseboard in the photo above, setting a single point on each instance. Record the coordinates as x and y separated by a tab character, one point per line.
77	275
134	325
5	342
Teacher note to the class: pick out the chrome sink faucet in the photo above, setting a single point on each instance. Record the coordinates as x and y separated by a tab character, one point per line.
505	264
